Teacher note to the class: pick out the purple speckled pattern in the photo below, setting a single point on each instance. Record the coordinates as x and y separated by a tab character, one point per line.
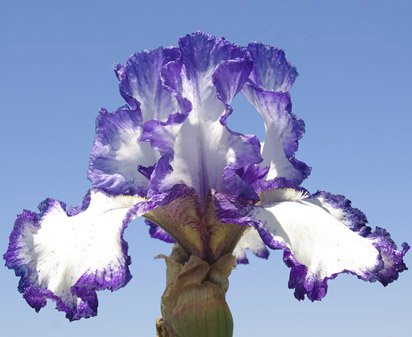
86	286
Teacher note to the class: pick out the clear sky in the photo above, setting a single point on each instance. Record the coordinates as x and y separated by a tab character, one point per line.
354	91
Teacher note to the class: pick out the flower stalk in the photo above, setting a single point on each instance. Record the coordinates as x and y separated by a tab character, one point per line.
193	303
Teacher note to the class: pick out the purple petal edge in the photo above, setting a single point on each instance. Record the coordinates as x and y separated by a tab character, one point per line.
87	285
270	80
158	233
101	173
390	260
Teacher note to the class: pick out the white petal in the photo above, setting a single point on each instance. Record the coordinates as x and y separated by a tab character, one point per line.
66	258
250	241
316	238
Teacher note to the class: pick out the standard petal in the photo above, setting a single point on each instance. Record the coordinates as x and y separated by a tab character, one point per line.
119	159
67	258
267	89
141	83
271	71
212	72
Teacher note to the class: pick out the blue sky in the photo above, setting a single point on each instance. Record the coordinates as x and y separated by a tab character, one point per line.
353	92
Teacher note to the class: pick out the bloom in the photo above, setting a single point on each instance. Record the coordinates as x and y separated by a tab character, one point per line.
168	155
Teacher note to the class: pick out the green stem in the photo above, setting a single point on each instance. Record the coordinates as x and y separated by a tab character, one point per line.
193	303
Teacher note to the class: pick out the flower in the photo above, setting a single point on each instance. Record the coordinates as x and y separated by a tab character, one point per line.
169	155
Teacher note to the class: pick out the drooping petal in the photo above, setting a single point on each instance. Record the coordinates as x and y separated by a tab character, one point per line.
250	241
68	256
267	89
322	236
212	72
119	158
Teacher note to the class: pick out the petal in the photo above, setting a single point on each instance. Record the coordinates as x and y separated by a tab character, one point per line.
67	258
250	241
158	233
212	72
144	86
245	182
321	239
141	84
271	71
322	236
267	89
118	158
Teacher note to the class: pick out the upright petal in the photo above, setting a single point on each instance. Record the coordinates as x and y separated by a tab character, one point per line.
213	71
66	256
322	236
141	83
267	89
271	71
118	155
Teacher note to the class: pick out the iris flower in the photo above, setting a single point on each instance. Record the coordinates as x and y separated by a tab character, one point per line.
168	155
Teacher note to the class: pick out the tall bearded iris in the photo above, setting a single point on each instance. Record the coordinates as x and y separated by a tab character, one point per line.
169	156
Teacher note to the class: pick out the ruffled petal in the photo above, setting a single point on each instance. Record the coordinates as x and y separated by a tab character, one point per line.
267	89
119	160
141	83
212	72
271	71
322	236
322	239
66	256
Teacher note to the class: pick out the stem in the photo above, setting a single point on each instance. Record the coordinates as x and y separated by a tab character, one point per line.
193	303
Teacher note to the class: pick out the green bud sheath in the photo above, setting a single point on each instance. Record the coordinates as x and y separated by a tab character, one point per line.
194	304
201	311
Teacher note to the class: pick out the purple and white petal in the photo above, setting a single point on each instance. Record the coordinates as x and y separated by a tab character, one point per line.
321	236
321	239
250	241
213	71
67	258
271	71
141	83
119	159
267	89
